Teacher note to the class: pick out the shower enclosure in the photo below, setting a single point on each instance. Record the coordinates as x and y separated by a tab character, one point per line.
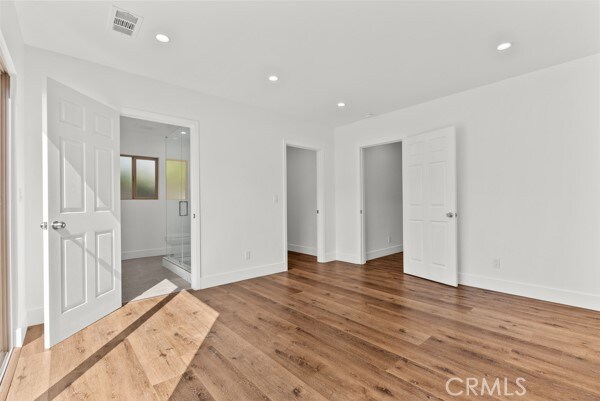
177	239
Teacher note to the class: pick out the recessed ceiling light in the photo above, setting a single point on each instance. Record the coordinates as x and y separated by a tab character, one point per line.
183	133
341	104
273	78
161	37
504	46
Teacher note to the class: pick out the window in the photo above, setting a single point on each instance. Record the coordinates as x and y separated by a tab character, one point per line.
177	179
139	177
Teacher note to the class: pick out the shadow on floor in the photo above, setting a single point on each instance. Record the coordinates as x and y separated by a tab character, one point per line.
56	389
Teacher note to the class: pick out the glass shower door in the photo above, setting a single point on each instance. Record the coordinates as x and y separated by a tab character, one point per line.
177	151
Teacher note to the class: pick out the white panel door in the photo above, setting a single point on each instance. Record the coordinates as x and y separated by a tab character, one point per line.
429	198
82	241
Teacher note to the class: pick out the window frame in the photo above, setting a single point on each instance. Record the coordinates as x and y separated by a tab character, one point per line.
134	195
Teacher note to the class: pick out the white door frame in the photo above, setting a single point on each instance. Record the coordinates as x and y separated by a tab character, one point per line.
361	191
14	210
361	197
320	199
195	239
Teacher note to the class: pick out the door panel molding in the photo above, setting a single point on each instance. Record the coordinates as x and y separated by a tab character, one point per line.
82	268
429	203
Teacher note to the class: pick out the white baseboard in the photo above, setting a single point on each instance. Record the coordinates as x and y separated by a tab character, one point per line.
566	297
144	253
380	253
329	257
35	316
302	249
241	274
19	339
348	258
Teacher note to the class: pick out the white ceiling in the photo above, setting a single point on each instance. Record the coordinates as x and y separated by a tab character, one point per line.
375	56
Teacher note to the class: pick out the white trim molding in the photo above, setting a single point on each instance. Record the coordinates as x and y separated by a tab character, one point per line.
302	249
143	253
329	257
543	293
380	253
242	274
35	316
19	338
348	258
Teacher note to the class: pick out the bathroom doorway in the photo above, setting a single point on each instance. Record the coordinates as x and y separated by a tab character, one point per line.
156	218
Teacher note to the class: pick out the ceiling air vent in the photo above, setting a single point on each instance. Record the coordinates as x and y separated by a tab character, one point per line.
125	22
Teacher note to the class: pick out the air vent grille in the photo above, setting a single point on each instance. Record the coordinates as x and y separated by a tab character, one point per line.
125	22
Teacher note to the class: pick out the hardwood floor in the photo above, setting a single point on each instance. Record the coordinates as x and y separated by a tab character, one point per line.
320	332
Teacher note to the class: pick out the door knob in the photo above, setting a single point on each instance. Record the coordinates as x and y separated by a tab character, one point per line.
58	224
450	214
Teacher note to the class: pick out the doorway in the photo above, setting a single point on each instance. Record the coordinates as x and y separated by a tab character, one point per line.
155	218
82	207
301	197
382	201
303	216
429	204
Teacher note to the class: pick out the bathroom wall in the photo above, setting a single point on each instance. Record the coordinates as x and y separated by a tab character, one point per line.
143	224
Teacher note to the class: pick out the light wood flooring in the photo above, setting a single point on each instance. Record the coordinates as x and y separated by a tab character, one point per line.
146	277
319	332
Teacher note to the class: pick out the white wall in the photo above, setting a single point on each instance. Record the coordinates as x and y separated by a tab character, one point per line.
13	55
302	200
143	221
528	180
528	151
241	166
382	172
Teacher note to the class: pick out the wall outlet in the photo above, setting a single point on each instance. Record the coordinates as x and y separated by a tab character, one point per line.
389	239
247	255
275	199
495	263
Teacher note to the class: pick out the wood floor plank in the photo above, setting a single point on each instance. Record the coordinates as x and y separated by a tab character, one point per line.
319	332
222	379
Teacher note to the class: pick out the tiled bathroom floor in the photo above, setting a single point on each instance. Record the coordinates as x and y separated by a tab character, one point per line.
145	278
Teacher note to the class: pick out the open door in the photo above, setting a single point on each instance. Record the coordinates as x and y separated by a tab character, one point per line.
82	231
429	199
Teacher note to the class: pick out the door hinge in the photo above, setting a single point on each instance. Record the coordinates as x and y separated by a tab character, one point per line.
44	225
